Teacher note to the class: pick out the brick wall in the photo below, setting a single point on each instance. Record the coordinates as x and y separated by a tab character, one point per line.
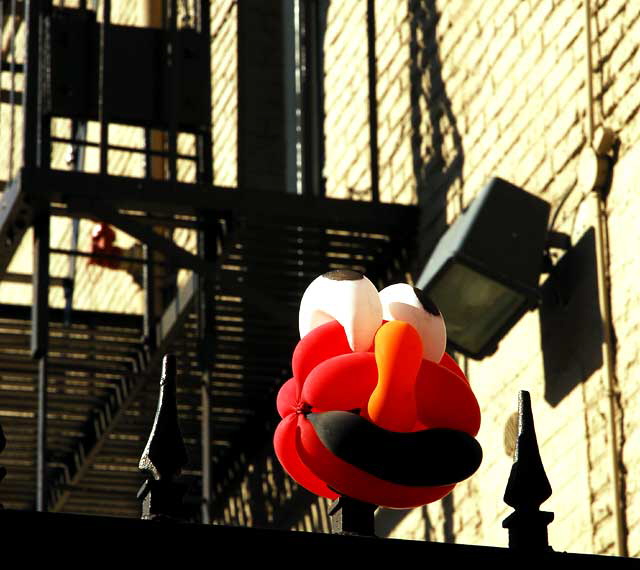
473	89
470	89
466	89
395	119
624	231
263	495
347	158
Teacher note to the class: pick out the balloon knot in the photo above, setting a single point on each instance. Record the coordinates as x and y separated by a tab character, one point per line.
303	408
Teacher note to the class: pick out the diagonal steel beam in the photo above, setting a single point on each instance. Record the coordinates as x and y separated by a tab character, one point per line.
178	255
15	219
105	419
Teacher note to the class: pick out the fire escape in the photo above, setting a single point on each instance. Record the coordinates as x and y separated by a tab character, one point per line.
76	397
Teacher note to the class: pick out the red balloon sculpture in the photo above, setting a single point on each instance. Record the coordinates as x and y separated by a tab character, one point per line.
376	410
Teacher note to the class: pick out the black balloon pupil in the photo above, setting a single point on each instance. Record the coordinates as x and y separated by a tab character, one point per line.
343	275
426	302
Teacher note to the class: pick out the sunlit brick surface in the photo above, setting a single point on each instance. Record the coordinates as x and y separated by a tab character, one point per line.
466	89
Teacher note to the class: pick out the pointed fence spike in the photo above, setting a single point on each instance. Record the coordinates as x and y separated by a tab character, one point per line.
528	486
165	455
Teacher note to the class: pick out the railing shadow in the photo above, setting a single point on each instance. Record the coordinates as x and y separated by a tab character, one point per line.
437	172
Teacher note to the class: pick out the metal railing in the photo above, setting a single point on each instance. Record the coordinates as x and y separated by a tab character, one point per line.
162	493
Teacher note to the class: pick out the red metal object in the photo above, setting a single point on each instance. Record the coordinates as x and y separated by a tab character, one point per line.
103	239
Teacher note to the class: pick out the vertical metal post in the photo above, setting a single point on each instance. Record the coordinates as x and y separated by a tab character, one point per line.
102	105
298	63
31	121
352	517
76	161
290	95
172	87
43	156
205	145
12	101
589	70
149	317
34	152
373	101
208	249
205	427
608	368
310	93
152	15
39	344
148	269
604	298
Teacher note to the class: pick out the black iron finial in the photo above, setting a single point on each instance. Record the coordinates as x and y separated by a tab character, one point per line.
352	517
164	455
3	471
528	486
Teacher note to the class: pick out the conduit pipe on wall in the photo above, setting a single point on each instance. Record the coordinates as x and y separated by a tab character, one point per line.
602	268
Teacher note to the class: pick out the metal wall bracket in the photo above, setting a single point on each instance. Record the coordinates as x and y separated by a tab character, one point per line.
352	517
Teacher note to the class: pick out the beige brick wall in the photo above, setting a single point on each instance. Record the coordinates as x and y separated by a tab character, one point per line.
470	89
397	179
624	232
347	158
498	89
466	89
264	496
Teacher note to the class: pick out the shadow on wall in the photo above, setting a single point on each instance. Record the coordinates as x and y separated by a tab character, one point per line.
570	324
266	497
437	171
388	519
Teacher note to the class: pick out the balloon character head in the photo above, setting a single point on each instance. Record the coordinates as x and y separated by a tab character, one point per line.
376	410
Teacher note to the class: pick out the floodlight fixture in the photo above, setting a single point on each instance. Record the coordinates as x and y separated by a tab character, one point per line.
484	272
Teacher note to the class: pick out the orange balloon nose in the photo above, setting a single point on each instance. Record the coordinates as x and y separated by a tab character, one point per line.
398	351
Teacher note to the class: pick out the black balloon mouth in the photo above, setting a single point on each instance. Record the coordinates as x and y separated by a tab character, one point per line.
430	457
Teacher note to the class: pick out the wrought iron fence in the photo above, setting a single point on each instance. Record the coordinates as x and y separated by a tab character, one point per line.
161	498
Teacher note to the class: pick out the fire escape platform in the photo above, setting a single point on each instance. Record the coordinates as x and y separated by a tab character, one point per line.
79	189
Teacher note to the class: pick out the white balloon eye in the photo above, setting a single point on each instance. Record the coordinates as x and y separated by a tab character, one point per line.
347	297
402	302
